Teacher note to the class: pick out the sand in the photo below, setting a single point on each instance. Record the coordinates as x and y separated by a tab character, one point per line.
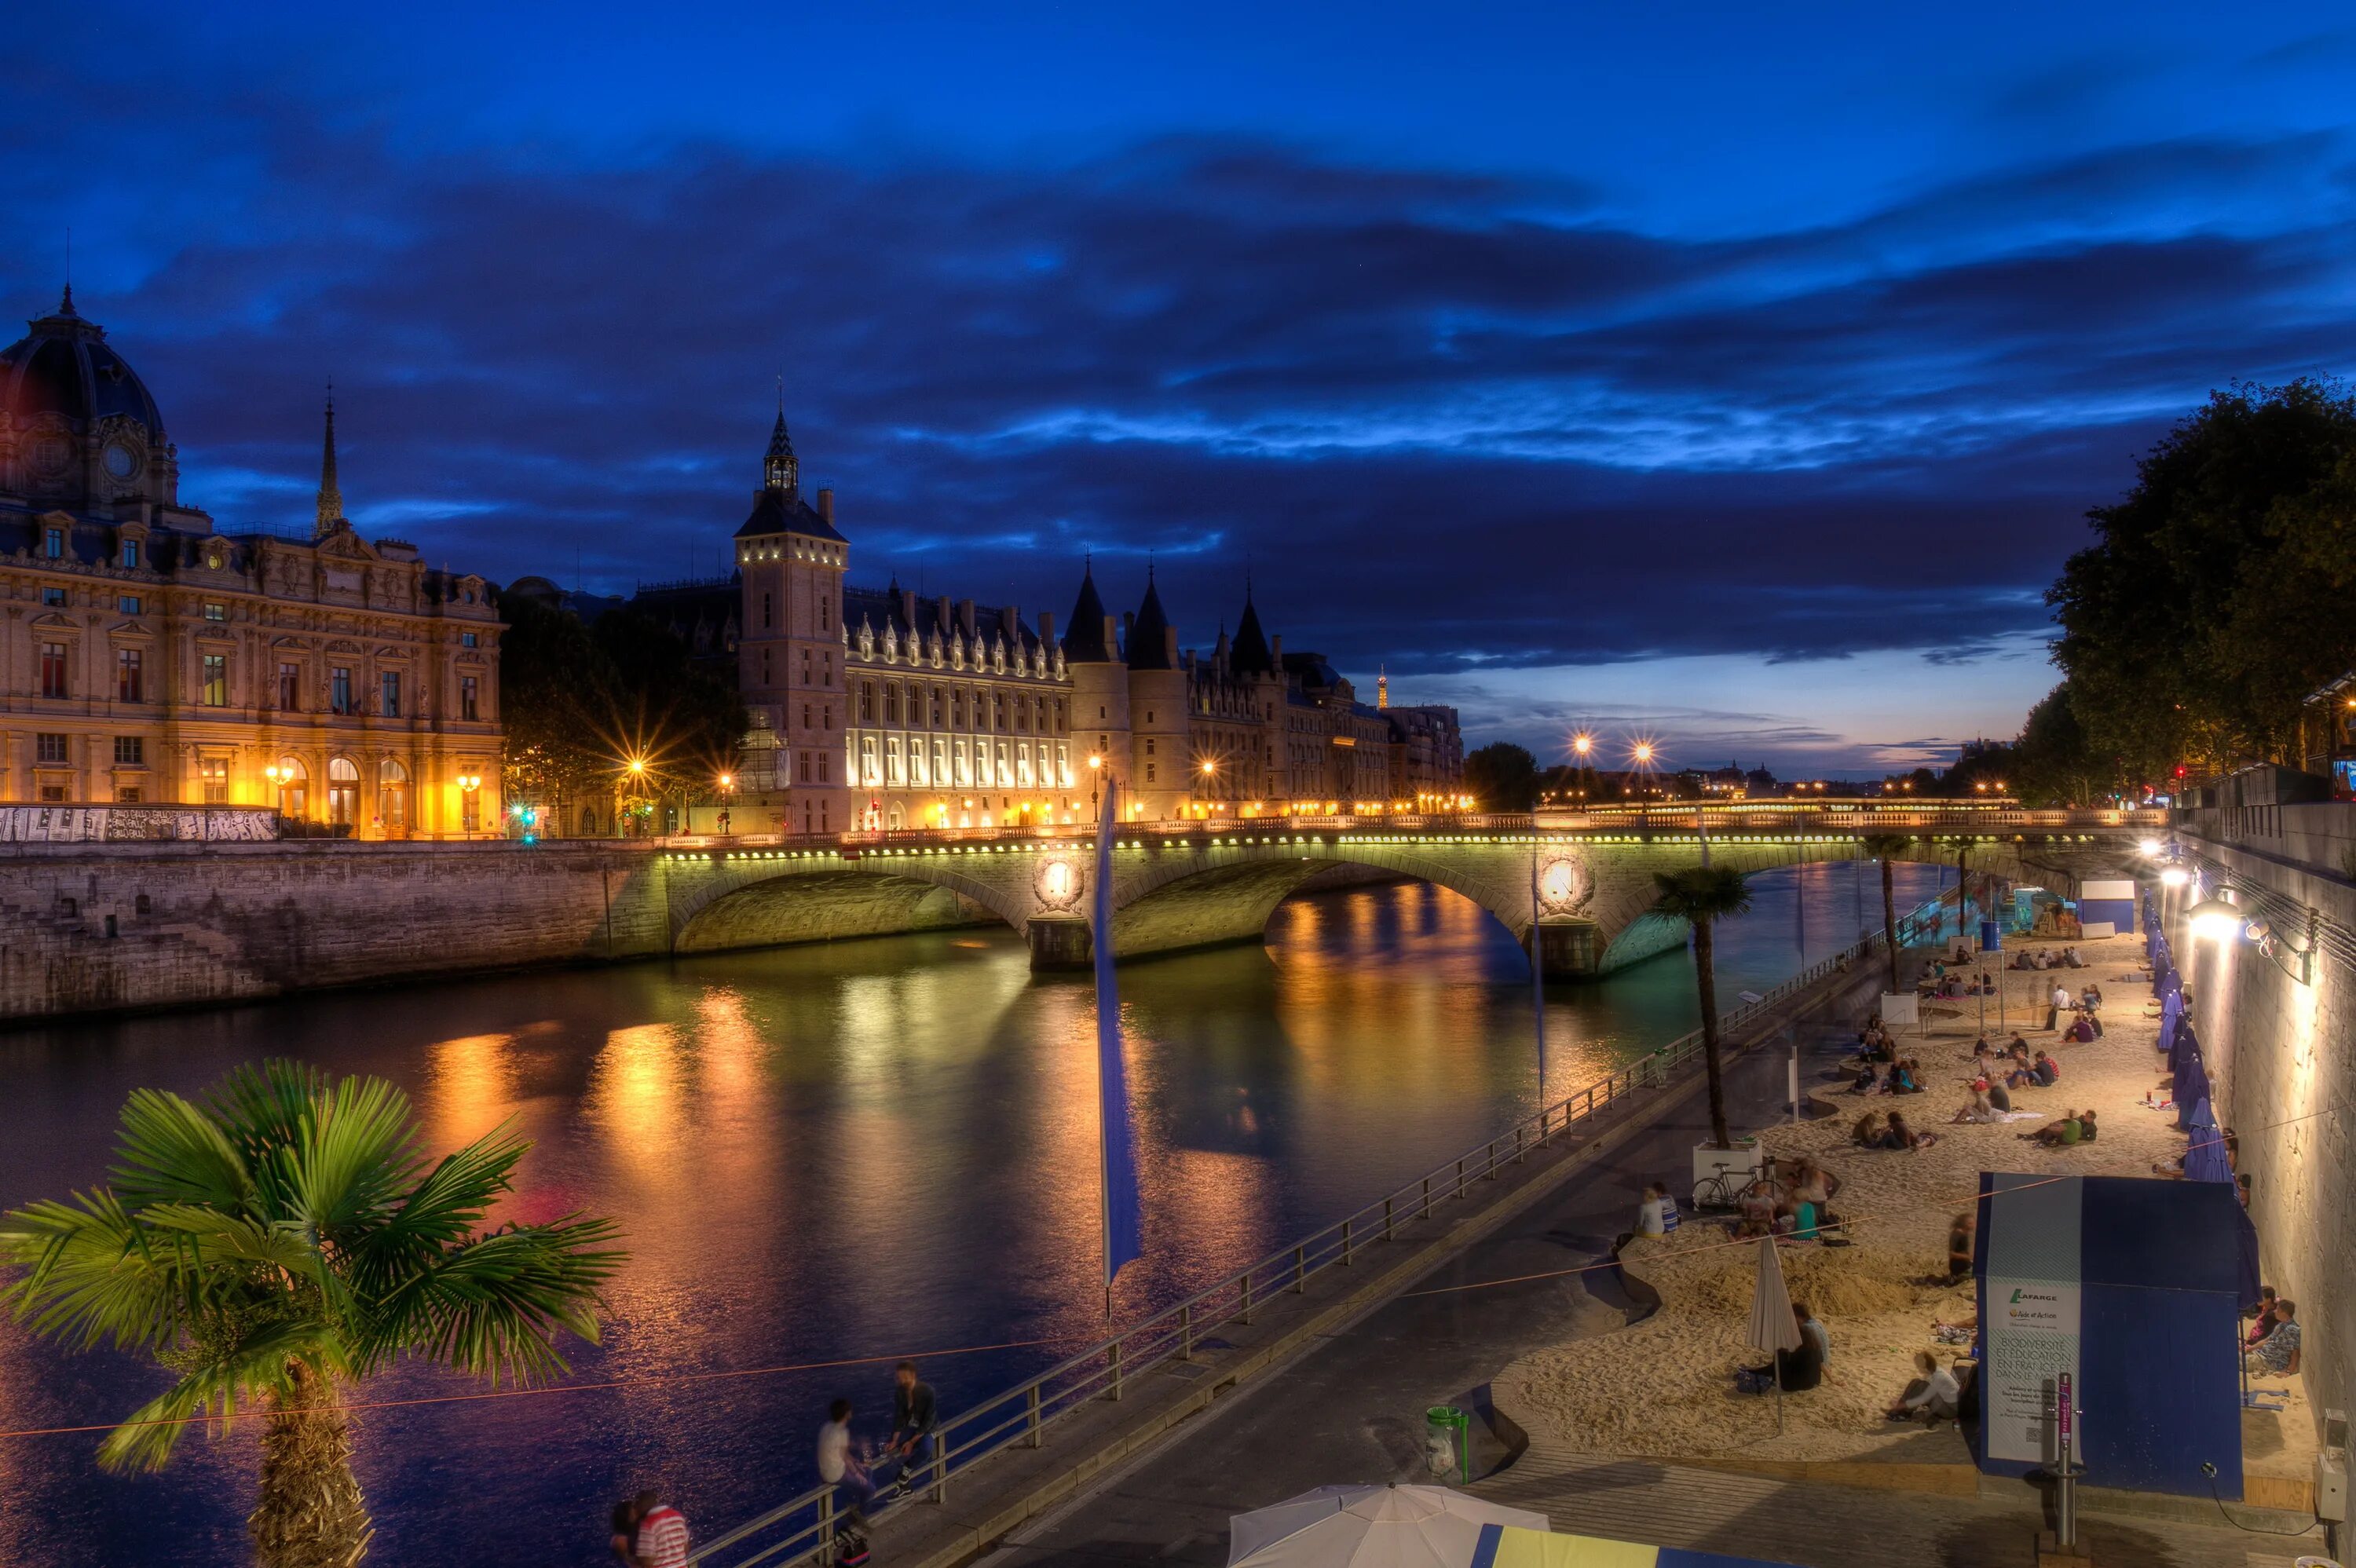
1664	1387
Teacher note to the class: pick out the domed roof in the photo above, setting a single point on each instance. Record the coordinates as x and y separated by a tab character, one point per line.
65	367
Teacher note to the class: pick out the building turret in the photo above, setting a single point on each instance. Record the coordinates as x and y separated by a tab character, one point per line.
789	653
1161	764
331	497
1099	689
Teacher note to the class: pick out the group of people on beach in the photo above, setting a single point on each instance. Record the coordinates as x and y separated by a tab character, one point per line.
650	1533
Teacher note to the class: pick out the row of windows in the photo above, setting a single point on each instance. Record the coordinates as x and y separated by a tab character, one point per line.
928	705
944	763
213	685
290	778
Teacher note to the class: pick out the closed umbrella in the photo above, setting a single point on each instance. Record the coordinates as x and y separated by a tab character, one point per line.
1772	1327
2204	1158
1369	1527
2192	1088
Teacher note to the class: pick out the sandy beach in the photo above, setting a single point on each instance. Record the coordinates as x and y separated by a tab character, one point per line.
1665	1387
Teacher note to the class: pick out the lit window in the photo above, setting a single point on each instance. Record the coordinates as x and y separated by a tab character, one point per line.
391	684
53	669
214	693
216	612
340	690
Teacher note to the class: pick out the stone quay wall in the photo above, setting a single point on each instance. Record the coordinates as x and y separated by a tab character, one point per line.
2283	1055
108	927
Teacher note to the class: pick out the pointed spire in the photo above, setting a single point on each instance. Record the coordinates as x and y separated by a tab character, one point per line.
1083	634
331	498
1251	654
780	469
1382	686
64	306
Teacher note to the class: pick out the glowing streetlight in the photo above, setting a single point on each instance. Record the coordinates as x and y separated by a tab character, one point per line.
2214	920
2152	846
1583	742
1210	765
2175	876
1642	754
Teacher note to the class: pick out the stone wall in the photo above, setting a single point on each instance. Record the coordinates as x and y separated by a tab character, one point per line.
2281	1054
122	926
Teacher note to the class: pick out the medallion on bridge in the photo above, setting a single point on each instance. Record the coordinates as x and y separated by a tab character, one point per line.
1565	887
1059	884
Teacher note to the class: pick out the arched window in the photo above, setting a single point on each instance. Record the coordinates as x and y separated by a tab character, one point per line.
294	786
343	791
392	795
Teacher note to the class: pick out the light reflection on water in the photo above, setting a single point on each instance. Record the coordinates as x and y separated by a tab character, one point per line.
871	1148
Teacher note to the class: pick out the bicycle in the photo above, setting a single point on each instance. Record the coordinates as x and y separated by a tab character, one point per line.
1725	1188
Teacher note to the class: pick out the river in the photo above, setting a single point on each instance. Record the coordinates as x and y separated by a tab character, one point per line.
870	1149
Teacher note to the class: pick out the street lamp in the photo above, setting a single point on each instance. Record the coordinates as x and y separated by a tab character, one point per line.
2213	920
1096	767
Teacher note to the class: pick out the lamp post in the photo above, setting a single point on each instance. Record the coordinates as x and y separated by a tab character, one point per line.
1096	772
468	783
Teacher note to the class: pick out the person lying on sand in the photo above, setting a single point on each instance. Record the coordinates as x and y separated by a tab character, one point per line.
1979	1112
2061	1133
1898	1136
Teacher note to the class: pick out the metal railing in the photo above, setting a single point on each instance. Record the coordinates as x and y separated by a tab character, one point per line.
803	1527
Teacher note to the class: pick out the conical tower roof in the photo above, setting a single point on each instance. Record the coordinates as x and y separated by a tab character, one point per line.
1084	638
1250	654
1149	636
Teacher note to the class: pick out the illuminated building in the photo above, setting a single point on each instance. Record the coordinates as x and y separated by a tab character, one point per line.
152	656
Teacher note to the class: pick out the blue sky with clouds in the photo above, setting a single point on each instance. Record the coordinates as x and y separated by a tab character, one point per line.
1728	374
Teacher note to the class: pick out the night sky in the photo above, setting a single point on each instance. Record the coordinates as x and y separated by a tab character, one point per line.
1737	375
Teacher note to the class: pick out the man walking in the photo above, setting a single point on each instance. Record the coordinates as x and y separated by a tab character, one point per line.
913	1420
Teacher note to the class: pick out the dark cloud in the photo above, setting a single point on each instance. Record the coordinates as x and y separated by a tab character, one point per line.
1450	420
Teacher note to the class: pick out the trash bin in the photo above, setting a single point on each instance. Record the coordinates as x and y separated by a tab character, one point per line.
1447	1443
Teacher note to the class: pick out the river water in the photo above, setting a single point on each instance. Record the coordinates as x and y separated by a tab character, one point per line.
871	1148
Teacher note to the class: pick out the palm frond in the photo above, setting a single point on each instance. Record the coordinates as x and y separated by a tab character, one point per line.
491	1305
253	1367
1696	894
93	1273
442	1210
172	1152
353	1156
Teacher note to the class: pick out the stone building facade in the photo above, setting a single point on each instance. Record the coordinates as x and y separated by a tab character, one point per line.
880	709
147	655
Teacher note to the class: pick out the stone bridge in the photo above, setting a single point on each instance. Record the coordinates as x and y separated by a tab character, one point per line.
99	924
1174	891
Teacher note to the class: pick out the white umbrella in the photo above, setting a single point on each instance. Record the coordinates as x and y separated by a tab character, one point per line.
1369	1527
1772	1327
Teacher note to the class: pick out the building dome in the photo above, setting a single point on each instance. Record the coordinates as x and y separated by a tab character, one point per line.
64	367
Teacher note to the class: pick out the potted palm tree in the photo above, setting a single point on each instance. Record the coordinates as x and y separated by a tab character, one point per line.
1700	896
274	1243
1886	847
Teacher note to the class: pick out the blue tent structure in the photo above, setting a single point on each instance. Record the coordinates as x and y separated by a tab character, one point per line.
2192	1081
2136	1287
2171	1013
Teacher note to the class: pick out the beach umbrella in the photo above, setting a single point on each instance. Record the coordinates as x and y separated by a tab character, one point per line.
1772	1327
2171	1013
1505	1547
2192	1088
1370	1527
2204	1159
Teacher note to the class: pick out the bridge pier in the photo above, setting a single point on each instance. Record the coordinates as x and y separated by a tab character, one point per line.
1568	948
1059	942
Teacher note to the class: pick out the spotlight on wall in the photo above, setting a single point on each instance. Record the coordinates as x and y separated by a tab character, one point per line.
2151	846
2175	876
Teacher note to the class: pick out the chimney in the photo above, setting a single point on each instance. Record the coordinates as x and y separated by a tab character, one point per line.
825	505
1170	648
945	623
1276	652
1128	622
1048	627
965	618
907	604
1010	624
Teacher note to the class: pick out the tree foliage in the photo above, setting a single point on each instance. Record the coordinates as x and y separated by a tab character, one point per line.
1502	776
284	1237
2215	596
581	701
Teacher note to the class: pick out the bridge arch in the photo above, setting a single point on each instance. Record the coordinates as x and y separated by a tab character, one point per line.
770	903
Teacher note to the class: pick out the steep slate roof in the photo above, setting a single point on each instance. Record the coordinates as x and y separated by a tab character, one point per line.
880	608
1084	638
1149	641
785	511
1250	654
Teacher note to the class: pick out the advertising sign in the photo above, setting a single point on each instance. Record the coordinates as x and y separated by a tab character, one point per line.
2032	1347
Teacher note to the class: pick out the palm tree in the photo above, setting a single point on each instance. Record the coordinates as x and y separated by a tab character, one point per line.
1884	848
1699	895
276	1243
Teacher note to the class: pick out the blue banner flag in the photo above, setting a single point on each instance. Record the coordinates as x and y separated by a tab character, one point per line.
1122	1210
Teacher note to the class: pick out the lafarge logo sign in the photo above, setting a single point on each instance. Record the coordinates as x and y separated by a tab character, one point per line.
2030	1307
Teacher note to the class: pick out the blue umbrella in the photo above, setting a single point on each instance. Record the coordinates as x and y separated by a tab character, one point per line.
2191	1088
2187	1044
2205	1159
2171	1013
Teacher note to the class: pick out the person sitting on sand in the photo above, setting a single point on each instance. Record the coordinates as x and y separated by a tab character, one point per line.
1959	1245
1648	1212
2087	1126
1755	1210
1998	1095
1866	1081
1867	1131
1932	1394
2264	1319
1812	1329
1814	1182
1794	1371
2041	1073
2278	1351
1979	1112
2061	1133
1898	1136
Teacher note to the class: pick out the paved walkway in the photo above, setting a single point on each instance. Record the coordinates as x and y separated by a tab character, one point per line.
1351	1410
